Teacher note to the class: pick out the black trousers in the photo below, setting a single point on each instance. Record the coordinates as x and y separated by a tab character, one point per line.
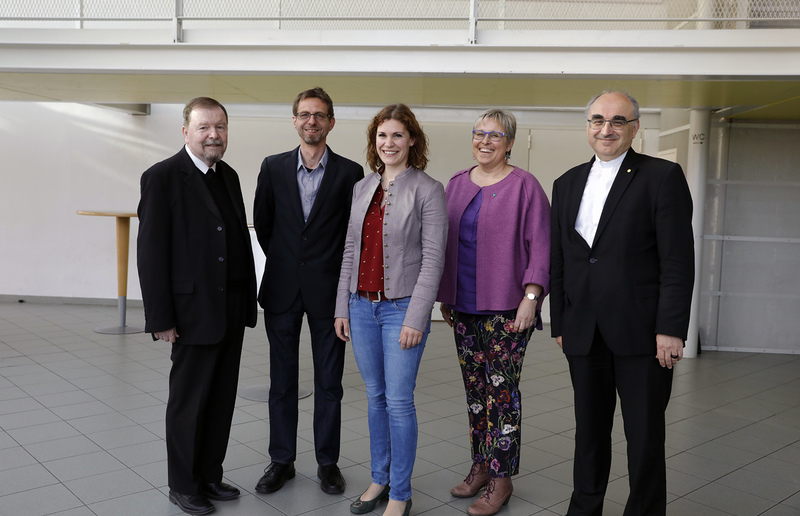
283	332
202	393
644	388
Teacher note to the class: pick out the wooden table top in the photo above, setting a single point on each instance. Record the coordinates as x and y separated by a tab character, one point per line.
108	213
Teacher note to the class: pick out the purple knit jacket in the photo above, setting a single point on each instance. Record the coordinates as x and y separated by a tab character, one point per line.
513	239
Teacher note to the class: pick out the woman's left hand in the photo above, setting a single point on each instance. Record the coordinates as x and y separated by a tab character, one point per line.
526	315
409	337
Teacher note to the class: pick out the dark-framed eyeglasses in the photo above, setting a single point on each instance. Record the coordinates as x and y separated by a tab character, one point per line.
319	117
616	122
494	136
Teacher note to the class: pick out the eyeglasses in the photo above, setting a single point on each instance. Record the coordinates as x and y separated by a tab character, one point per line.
494	136
319	117
616	123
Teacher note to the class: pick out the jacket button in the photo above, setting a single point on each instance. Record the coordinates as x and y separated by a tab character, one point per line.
219	228
304	237
222	259
592	260
301	262
220	289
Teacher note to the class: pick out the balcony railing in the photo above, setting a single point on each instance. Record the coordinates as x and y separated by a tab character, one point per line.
468	15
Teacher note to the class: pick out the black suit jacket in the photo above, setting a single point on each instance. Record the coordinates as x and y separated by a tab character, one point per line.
302	256
636	280
182	252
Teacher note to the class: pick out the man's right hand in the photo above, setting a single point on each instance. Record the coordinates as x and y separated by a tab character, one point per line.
171	335
558	341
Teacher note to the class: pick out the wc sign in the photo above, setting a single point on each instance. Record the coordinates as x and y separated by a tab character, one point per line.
698	138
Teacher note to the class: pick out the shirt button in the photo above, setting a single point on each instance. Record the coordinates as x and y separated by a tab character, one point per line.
221	259
592	260
219	228
385	245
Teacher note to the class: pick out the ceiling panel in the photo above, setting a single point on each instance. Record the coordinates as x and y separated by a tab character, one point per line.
777	99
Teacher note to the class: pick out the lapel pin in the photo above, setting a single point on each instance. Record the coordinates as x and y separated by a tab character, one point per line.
494	195
629	171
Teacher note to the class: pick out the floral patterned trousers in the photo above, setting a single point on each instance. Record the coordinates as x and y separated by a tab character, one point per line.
491	356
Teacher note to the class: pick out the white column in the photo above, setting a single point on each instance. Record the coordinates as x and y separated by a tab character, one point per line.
697	177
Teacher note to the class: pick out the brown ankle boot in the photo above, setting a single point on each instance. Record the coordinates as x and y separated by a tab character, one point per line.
498	492
476	479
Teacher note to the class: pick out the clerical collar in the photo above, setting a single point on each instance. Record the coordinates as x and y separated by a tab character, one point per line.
613	164
201	166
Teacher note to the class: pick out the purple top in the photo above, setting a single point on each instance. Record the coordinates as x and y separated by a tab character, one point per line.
513	240
467	257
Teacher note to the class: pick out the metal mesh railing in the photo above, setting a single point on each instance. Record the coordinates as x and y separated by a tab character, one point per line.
402	15
637	14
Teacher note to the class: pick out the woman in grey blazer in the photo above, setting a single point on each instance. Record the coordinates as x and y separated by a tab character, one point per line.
393	260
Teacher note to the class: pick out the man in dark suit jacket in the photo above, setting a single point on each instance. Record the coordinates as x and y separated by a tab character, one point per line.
302	207
622	270
199	288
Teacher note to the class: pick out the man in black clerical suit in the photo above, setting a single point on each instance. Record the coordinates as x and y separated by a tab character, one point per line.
199	288
301	211
622	270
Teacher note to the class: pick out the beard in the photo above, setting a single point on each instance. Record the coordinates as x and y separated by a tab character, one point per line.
312	138
212	154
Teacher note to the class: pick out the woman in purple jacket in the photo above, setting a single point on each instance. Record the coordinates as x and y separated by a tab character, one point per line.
393	259
496	273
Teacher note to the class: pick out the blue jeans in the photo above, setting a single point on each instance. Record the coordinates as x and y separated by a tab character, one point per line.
390	375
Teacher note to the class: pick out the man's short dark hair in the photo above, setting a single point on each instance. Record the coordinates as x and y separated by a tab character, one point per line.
201	103
314	93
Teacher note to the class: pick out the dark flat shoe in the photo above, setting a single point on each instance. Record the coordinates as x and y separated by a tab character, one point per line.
364	506
191	504
330	479
220	491
275	475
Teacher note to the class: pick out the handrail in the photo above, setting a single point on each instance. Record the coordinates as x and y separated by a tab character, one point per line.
671	14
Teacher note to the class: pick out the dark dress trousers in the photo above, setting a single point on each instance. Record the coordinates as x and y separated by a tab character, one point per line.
197	275
301	275
608	302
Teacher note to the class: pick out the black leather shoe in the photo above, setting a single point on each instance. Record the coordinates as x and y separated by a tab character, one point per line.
191	504
220	491
275	475
331	479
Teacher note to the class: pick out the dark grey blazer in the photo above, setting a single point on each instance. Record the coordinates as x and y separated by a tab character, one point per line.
302	256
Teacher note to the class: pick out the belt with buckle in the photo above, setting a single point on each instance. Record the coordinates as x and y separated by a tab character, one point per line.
375	297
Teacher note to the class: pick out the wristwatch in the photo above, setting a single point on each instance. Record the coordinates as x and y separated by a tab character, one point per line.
532	296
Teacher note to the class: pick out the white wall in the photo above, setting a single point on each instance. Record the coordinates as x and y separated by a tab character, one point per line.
61	158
